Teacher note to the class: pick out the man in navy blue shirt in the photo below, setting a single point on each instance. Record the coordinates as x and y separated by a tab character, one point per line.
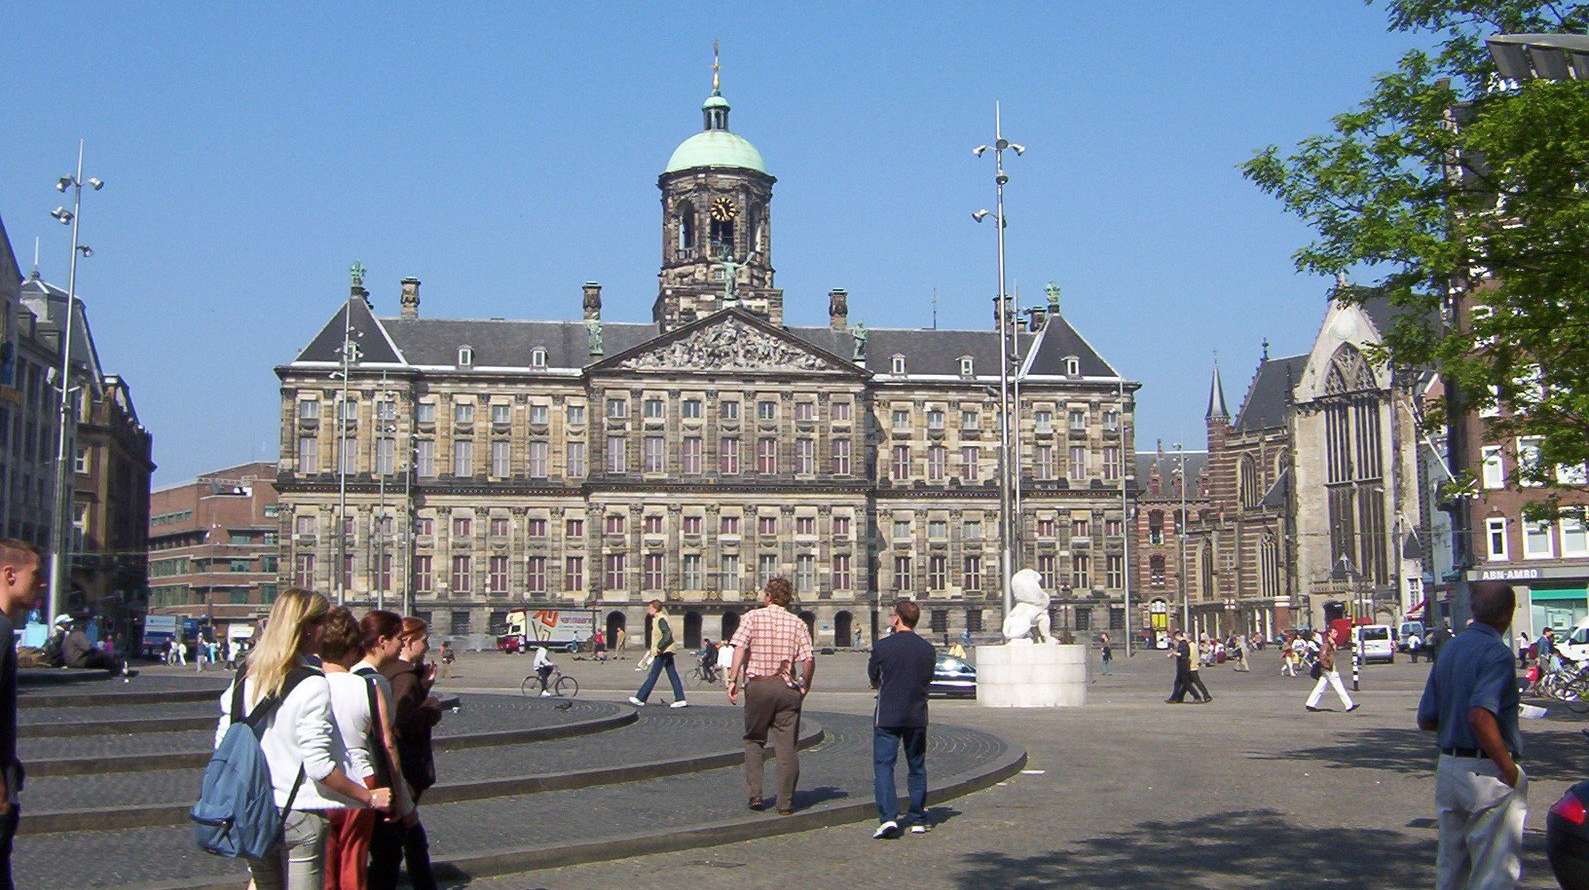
1481	794
901	669
20	580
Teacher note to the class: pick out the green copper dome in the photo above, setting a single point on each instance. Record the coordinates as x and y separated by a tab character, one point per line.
715	146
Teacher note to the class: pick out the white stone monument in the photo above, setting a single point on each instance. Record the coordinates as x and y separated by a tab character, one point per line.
1031	669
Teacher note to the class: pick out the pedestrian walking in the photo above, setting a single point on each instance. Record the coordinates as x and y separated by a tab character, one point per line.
1325	674
1545	650
663	645
20	581
417	714
1522	650
1239	651
774	660
356	704
1481	792
1181	651
1194	680
623	640
1106	654
599	643
1414	646
900	669
448	656
299	736
1290	655
201	654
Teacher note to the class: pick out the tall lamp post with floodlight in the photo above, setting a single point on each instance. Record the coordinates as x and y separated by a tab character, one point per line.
61	539
1000	144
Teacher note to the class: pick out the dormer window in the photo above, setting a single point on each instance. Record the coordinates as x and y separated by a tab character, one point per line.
1072	366
537	357
465	356
898	364
967	366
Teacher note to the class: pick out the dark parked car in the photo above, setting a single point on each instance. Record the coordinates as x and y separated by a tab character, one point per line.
953	677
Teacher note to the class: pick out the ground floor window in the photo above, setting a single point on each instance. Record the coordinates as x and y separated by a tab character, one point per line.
940	621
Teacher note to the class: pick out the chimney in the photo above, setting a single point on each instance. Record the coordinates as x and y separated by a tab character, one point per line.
838	309
592	301
410	298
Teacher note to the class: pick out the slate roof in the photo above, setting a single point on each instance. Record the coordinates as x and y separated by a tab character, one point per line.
1279	494
1265	405
503	343
1169	463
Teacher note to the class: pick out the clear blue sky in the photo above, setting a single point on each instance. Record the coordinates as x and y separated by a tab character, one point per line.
505	155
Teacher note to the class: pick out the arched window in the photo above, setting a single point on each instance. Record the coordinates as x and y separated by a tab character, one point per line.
1156	571
537	357
1156	527
1268	567
1207	561
686	216
465	356
1249	483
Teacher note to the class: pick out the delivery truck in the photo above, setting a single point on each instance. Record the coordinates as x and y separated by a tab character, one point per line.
558	629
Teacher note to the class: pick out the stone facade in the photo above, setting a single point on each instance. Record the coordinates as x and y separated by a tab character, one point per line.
597	465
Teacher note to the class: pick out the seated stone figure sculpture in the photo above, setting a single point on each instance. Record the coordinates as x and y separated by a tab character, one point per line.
1030	609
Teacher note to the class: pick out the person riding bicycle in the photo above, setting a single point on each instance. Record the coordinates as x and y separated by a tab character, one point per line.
544	667
707	656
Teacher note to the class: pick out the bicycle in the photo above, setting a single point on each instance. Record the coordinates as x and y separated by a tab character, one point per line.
1567	683
560	684
701	675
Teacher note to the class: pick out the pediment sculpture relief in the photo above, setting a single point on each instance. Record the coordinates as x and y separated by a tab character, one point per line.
731	345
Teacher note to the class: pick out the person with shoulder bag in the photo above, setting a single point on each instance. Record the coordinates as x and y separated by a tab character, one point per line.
1324	672
357	706
298	739
663	645
416	714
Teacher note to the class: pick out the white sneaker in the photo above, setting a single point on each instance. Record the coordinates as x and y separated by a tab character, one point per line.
681	703
636	702
920	828
546	693
887	831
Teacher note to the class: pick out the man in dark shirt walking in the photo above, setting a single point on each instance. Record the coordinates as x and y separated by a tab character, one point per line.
1481	794
20	580
900	669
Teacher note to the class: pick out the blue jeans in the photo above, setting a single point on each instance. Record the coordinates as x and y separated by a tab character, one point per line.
664	660
885	749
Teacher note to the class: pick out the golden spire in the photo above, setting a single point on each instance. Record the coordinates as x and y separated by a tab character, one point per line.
716	84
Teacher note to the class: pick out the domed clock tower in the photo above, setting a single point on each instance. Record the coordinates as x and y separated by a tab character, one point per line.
716	225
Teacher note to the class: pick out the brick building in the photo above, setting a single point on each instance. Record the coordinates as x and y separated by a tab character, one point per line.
1160	520
597	464
213	546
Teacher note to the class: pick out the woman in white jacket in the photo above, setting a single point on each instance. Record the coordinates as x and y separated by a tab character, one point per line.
299	735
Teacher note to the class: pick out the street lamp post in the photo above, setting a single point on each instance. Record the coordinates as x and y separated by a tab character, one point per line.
350	355
1180	530
1000	144
1345	572
60	545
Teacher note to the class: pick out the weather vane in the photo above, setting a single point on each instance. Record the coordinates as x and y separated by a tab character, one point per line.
716	84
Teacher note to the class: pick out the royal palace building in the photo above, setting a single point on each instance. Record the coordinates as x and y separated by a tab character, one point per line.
592	464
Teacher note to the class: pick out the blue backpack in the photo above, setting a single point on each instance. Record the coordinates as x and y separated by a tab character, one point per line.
236	814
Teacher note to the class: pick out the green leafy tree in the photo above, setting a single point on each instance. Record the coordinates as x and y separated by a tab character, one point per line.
1448	181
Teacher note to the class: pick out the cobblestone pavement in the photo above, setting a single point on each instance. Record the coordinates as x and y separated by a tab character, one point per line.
837	769
1248	791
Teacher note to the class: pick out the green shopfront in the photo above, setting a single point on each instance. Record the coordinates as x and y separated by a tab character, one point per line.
1557	605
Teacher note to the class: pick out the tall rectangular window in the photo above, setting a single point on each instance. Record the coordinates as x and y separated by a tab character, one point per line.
425	412
535	574
462	527
728	572
574	529
497	574
1494	474
1528	466
693	523
1573	540
613	576
728	455
1046	565
617	459
538	463
767	456
728	524
1078	462
499	458
535	527
937	458
1537	541
463	412
902	573
1111	462
1044	464
425	458
805	411
613	523
577	464
349	454
690	409
617	409
498	527
309	454
901	418
690	452
1116	568
385	455
653	455
540	414
728	410
463	458
423	581
937	571
766	410
308	409
767	524
461	575
1043	421
654	409
969	458
651	523
1078	420
935	419
766	568
841	457
841	571
574	573
841	412
653	571
901	462
805	580
805	456
303	571
576	415
971	574
1080	579
692	571
501	415
841	528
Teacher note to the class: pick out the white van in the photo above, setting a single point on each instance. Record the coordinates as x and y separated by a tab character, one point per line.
1378	644
1576	644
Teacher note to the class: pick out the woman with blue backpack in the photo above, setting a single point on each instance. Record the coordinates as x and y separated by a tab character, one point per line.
284	697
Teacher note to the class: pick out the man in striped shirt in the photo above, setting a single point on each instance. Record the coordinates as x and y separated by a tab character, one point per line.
774	664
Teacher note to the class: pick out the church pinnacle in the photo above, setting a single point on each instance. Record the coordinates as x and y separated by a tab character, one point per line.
1216	397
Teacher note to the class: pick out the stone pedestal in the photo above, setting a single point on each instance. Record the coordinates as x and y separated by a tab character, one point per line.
1024	674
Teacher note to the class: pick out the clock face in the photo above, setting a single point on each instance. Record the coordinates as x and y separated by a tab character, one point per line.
723	209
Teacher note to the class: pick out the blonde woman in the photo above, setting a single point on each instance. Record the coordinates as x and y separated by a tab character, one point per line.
300	741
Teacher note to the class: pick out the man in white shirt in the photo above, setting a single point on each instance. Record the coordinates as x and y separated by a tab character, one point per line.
543	666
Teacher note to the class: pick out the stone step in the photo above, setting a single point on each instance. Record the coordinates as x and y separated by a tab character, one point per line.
130	800
531	831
